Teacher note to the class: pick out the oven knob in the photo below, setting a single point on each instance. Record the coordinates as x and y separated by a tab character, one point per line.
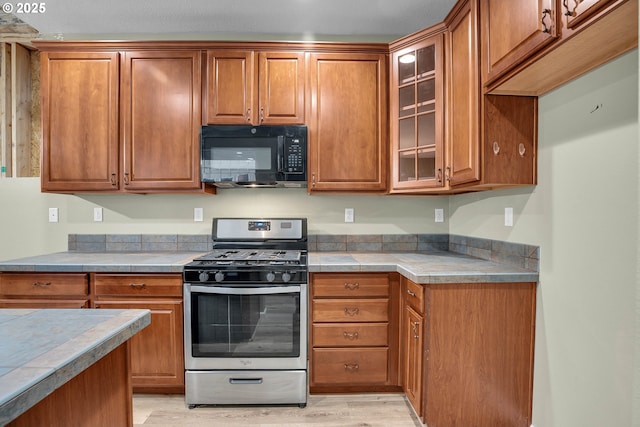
204	276
271	276
219	276
286	277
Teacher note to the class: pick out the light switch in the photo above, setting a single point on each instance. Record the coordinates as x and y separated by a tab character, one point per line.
508	217
198	215
348	215
53	214
439	215
97	214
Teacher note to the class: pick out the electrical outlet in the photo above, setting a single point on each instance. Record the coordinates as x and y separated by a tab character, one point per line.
198	215
97	214
508	217
439	215
348	215
53	214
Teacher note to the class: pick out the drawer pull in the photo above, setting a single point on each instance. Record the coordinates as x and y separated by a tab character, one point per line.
352	286
41	284
351	367
352	336
351	311
410	292
138	285
416	334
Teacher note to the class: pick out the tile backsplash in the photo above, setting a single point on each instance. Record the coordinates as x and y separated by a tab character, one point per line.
516	254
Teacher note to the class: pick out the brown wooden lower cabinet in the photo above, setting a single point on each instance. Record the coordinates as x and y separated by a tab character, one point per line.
44	290
353	334
157	352
462	353
478	347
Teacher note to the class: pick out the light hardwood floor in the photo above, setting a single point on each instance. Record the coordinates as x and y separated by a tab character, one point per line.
354	410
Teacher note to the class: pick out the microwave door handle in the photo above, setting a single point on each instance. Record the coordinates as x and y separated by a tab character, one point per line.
281	147
245	291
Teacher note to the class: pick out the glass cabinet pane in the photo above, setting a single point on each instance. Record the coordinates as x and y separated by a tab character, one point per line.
407	133
407	100
426	95
406	68
426	60
426	164
407	169
426	130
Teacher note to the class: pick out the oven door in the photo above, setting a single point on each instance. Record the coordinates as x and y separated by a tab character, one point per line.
236	327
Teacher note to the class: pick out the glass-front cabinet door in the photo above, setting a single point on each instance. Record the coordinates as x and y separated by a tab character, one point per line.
417	117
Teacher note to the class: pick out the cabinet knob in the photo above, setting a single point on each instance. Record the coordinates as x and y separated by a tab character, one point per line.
113	179
351	366
496	148
126	178
410	292
350	335
261	115
352	286
249	115
521	149
351	311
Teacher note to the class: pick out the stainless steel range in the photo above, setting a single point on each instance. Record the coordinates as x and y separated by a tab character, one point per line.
246	315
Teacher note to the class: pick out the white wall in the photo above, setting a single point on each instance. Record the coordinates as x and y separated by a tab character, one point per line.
584	216
25	230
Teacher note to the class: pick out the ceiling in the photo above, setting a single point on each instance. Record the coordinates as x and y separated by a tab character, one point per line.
349	20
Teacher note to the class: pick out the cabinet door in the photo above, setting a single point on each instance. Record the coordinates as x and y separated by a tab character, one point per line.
417	117
281	88
463	107
575	12
157	354
347	123
413	332
79	94
231	83
161	116
512	30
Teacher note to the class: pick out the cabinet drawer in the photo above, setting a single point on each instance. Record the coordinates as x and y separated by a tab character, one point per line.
350	310
350	285
414	296
44	284
349	366
350	334
143	284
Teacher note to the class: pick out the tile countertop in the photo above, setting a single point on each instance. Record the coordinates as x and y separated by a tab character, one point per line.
111	262
432	267
42	349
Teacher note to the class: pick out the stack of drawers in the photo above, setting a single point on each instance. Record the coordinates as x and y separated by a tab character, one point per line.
350	332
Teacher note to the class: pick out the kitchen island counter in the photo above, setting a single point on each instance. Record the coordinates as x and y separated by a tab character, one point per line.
42	351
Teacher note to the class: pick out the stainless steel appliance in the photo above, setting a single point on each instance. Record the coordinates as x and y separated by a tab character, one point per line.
254	156
245	309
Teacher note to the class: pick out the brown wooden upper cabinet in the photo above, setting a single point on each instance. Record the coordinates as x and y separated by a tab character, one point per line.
120	121
530	48
513	30
247	87
347	122
79	94
160	120
417	116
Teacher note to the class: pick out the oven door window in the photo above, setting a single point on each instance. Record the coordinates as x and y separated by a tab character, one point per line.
245	325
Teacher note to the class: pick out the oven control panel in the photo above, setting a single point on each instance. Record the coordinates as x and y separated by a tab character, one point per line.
259	225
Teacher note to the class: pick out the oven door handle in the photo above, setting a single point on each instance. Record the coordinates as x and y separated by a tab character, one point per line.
245	291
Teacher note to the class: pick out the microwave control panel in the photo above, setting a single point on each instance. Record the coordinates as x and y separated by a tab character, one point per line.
294	156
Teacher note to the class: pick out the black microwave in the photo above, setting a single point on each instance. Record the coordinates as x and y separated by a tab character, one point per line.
253	156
